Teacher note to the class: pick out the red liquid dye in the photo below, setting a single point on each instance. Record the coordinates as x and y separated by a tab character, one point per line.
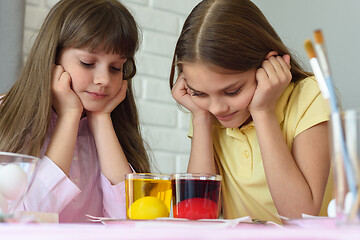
197	208
195	199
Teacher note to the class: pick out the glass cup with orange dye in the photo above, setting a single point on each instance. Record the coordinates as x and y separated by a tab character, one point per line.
148	196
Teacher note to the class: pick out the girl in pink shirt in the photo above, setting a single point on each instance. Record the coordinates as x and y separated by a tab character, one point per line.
74	107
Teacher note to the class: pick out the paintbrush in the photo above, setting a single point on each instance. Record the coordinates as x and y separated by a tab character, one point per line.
325	93
325	67
323	78
314	63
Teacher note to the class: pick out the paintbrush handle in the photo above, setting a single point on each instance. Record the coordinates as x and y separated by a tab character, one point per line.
334	104
338	133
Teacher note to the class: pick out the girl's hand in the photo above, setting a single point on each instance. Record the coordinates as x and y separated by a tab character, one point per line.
96	118
272	79
114	102
182	94
112	159
65	100
201	156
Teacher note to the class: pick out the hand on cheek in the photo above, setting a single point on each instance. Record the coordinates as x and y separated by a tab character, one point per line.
116	100
182	94
272	78
65	100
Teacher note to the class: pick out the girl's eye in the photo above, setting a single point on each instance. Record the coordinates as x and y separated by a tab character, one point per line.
85	64
233	93
116	69
197	94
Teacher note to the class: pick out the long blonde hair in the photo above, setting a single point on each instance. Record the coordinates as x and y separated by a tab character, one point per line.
25	109
231	34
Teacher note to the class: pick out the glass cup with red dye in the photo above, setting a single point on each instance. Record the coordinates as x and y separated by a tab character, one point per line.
196	195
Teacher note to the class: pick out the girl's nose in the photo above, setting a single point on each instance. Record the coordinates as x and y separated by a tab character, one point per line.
102	77
217	107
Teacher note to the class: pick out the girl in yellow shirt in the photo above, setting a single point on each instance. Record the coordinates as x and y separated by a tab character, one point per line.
258	118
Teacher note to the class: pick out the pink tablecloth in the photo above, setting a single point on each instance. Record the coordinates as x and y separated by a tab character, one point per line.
304	229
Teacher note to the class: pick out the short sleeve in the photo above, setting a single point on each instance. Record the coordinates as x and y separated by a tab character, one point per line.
308	107
317	112
302	109
191	129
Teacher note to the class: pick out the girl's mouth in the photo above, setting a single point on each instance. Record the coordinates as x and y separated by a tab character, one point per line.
97	95
225	117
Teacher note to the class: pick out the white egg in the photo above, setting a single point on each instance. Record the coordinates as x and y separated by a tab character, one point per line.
3	204
13	181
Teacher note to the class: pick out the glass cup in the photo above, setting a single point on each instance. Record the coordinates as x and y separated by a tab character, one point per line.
148	196
17	173
196	195
346	166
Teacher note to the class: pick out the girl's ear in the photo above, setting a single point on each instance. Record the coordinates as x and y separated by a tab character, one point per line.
271	54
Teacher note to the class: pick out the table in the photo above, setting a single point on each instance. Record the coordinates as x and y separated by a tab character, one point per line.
302	229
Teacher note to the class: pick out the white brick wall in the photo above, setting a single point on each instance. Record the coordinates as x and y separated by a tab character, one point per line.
164	125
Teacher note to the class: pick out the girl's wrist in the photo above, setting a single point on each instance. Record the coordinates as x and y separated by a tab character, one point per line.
70	115
97	119
261	115
203	118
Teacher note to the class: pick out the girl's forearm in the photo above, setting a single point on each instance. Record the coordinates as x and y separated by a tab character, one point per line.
290	191
202	153
62	144
113	162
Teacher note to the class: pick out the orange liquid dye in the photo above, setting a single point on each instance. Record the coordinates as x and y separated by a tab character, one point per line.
139	188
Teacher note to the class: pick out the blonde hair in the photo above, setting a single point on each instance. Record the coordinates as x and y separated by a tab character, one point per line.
231	34
98	25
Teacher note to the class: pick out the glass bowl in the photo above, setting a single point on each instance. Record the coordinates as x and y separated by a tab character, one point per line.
17	173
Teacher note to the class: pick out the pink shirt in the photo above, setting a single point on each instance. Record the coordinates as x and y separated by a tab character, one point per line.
85	191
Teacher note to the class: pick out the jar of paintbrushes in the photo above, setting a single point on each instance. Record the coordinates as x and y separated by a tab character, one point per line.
345	147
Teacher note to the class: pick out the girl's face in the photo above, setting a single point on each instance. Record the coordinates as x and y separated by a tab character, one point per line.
96	76
224	93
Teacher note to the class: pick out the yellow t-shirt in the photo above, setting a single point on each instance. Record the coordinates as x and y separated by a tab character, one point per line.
244	188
